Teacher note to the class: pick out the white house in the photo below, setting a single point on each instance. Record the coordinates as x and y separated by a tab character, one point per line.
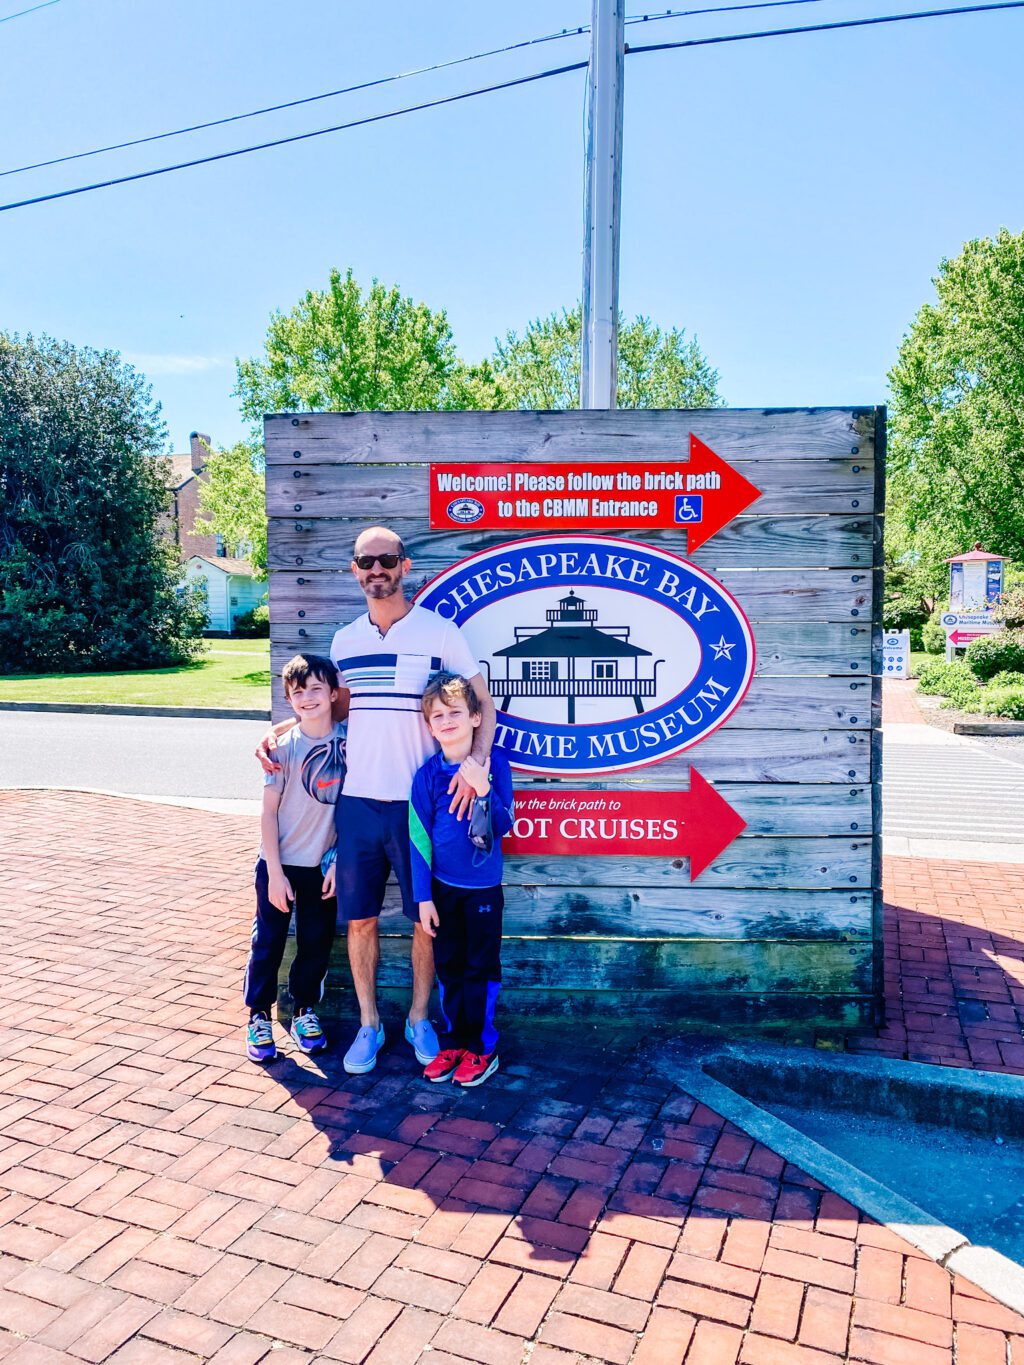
231	589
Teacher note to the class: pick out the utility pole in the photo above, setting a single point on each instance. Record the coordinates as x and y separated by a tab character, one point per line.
603	199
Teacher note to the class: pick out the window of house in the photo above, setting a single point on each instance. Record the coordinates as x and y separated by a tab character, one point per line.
541	668
604	668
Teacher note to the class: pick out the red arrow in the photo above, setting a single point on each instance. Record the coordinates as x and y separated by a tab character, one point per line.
697	824
964	637
725	495
709	825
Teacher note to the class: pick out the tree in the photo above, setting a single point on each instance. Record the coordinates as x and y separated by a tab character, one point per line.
956	455
340	350
86	580
541	368
232	496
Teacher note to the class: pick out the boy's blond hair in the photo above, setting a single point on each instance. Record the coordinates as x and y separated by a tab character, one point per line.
449	687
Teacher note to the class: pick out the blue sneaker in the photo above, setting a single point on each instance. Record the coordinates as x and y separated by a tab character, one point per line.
259	1039
362	1055
423	1040
307	1032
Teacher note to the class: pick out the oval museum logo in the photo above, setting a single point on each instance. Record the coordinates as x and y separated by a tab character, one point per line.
601	654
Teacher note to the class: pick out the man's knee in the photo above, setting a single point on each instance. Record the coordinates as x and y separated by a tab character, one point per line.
363	928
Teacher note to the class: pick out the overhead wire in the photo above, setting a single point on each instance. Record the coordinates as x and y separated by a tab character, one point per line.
378	81
823	28
298	137
509	84
6	19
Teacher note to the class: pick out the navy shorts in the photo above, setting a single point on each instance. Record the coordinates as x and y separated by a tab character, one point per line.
373	840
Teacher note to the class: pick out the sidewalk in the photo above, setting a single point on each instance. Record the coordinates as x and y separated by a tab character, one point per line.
166	1201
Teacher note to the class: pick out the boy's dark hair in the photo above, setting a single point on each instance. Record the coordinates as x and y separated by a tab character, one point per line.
298	671
449	687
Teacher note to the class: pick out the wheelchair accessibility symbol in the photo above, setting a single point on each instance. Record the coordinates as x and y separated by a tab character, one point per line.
689	507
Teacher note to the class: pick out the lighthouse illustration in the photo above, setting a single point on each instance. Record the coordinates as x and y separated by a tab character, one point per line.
572	657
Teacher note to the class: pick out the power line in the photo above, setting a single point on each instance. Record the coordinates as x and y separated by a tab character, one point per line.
381	80
298	137
45	5
822	28
506	85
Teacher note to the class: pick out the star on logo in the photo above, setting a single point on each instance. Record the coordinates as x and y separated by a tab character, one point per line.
722	650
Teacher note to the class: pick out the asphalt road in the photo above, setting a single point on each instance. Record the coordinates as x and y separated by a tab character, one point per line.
136	755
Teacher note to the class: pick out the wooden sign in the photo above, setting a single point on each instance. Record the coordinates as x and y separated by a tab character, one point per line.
779	925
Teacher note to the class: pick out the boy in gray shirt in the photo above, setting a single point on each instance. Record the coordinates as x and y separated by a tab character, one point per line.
297	829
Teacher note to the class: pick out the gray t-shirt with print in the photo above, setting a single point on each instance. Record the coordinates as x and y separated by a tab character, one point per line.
311	777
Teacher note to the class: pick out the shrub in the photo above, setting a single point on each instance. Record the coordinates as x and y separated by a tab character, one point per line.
255	624
955	682
1001	652
1007	678
1003	701
933	634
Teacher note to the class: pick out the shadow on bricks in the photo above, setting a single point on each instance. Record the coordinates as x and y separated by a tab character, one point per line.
163	1200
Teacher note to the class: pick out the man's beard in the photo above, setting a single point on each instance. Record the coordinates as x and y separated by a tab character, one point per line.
379	589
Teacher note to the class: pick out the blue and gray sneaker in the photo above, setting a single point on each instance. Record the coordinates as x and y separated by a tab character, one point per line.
259	1039
307	1032
362	1055
423	1040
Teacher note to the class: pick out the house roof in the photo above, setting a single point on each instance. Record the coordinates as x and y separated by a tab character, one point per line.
973	556
181	471
562	642
241	567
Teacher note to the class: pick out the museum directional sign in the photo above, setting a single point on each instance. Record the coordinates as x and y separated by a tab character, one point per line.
601	654
697	824
698	496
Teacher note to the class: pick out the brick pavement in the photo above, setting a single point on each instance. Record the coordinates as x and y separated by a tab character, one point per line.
162	1200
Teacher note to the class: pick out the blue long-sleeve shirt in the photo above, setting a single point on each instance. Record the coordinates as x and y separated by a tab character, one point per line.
440	844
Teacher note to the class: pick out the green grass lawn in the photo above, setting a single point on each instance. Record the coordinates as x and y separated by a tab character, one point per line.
230	673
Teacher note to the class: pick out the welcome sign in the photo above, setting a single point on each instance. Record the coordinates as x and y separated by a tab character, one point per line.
601	654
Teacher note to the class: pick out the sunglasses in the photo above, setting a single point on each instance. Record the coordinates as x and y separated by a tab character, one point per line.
385	561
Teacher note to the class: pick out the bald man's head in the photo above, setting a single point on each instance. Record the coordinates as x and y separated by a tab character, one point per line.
379	533
379	562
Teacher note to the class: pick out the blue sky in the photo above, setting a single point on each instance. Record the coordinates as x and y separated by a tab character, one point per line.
787	200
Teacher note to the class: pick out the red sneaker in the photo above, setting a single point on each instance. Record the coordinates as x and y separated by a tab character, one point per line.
474	1069
445	1064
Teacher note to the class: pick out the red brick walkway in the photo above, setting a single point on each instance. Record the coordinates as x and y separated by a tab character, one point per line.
899	703
165	1201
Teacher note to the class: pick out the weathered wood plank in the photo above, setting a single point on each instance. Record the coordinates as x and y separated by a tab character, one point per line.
400	437
749	862
380	493
784	649
749	542
699	964
769	595
685	912
805	703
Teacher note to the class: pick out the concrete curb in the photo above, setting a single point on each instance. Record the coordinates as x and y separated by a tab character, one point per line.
217	805
985	1267
174	712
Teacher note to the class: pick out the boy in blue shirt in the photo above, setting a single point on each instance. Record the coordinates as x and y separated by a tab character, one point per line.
297	831
456	879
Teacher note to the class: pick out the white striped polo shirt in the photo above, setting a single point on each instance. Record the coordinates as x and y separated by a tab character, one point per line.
388	739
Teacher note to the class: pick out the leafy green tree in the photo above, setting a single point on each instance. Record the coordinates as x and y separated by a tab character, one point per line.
342	350
541	368
956	455
232	496
86	579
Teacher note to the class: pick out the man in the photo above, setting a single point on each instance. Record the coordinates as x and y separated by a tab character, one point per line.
384	659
